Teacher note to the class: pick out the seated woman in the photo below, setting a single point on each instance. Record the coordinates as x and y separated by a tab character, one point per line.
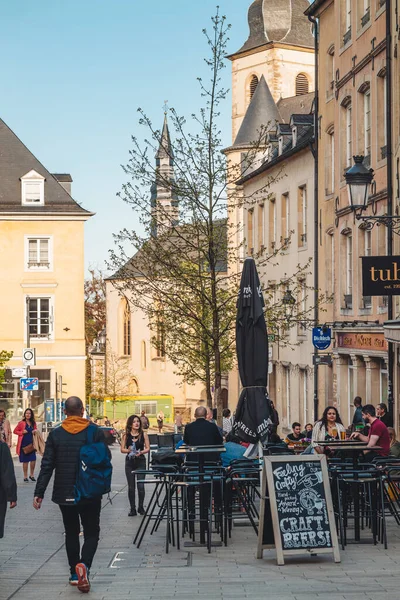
394	444
327	428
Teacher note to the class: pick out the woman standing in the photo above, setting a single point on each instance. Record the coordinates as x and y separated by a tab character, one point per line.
327	428
160	421
25	450
135	444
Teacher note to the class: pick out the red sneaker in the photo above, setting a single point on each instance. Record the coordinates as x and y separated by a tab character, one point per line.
83	578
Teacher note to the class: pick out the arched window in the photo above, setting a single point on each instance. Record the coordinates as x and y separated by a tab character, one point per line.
302	85
253	85
127	329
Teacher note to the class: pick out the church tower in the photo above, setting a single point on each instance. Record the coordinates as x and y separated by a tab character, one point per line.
164	202
280	48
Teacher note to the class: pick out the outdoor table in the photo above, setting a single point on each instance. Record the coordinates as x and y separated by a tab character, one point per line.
353	448
201	451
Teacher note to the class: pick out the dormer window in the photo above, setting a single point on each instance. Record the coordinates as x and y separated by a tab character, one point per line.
32	189
294	136
280	146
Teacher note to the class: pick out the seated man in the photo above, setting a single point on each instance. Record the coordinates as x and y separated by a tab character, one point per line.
296	435
378	434
202	433
384	416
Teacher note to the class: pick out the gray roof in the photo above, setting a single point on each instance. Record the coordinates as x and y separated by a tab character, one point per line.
302	119
261	113
303	142
64	177
278	21
295	105
15	162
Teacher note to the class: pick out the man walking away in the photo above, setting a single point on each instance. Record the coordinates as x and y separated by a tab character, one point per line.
384	416
357	417
62	456
144	420
8	484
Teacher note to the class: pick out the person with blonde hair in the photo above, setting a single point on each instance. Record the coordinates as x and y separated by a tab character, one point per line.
394	444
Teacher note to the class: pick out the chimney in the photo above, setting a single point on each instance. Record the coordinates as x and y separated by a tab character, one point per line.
65	180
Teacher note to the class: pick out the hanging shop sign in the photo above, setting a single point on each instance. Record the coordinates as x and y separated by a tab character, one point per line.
381	275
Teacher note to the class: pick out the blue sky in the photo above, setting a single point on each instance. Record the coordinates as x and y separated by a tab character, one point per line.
74	74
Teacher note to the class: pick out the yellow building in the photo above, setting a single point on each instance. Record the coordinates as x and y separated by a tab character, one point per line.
41	275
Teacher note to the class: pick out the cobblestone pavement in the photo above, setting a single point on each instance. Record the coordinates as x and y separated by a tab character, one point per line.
33	562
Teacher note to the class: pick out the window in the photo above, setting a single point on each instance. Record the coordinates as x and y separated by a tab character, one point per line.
285	219
349	138
38	251
272	225
149	407
302	85
32	189
367	242
329	262
44	391
250	232
40	318
330	79
351	387
127	330
367	123
349	265
253	85
330	162
260	227
364	12
302	215
160	338
347	16
382	116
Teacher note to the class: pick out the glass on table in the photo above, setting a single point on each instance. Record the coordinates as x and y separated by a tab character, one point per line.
334	432
342	435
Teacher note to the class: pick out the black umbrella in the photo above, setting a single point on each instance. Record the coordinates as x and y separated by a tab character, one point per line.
252	419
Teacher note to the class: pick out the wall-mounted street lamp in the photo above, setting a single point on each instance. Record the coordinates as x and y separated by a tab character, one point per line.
102	337
358	180
288	302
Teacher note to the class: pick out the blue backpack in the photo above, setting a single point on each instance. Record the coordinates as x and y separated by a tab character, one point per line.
94	469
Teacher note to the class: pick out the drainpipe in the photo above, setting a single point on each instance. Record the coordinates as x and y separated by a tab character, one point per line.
389	168
316	218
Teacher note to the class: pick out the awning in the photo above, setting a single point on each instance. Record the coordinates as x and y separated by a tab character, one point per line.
392	331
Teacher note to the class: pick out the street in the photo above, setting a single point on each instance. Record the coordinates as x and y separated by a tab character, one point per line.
33	561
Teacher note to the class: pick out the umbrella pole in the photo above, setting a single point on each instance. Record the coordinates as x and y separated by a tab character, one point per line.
261	460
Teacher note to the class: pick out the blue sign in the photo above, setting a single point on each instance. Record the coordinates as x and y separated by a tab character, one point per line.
29	384
49	415
321	337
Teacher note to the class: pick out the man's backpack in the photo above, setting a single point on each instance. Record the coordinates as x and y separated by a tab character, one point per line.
94	469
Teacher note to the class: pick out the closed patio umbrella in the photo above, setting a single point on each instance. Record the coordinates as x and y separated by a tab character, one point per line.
252	418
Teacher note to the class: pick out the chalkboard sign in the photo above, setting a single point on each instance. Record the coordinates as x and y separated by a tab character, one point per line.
296	507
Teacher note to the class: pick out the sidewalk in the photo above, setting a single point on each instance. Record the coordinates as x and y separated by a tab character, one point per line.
33	562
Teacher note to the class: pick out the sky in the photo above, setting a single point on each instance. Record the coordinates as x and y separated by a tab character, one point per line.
74	73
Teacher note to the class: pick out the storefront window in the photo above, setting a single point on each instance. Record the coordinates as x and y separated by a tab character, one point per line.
384	385
11	397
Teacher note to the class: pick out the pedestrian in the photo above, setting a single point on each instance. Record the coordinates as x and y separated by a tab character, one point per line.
226	421
274	418
160	421
144	420
357	417
5	429
178	422
25	448
8	484
61	455
383	415
135	444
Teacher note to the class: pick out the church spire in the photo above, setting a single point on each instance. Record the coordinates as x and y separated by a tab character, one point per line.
164	202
